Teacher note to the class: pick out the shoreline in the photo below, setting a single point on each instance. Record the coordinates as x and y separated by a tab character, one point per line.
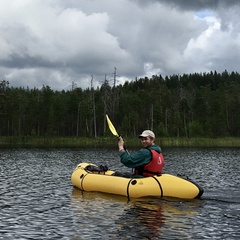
111	142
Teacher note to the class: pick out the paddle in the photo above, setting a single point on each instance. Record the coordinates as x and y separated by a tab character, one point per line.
111	127
113	130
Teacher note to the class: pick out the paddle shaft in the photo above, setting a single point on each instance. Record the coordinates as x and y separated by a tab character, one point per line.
113	130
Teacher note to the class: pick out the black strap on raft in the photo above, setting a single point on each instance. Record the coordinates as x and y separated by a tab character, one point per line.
134	182
81	181
160	186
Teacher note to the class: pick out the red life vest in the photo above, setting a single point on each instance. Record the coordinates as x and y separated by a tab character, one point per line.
154	167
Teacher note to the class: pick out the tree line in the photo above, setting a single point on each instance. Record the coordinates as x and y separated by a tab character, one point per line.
188	105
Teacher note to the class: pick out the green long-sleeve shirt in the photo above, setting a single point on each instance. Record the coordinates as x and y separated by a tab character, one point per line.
138	158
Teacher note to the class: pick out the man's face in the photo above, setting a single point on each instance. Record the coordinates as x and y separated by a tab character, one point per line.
146	141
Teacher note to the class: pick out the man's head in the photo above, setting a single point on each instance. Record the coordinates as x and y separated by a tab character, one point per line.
147	138
147	133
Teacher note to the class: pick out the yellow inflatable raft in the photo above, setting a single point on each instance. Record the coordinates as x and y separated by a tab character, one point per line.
88	177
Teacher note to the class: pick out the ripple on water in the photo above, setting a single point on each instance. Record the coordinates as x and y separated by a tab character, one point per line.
38	201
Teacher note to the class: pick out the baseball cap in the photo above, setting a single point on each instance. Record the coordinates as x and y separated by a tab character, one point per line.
147	133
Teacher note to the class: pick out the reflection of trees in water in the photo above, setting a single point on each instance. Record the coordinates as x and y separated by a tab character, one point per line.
158	218
140	222
146	218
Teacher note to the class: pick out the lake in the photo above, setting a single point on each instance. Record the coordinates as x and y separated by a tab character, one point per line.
38	201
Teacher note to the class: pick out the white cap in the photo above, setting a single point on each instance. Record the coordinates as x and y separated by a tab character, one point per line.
147	133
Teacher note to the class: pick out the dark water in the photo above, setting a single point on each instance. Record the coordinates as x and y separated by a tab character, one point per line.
37	199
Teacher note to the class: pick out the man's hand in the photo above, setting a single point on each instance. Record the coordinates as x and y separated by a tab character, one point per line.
120	143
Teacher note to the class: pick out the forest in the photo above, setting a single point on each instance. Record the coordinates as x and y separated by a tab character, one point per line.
188	105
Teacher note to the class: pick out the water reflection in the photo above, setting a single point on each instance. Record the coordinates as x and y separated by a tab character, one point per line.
146	218
37	199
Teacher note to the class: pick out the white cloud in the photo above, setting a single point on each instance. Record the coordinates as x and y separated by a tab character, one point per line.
149	70
55	42
213	49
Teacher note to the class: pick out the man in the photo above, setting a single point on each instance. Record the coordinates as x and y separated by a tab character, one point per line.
146	162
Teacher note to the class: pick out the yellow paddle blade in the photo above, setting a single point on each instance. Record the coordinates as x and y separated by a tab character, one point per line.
111	127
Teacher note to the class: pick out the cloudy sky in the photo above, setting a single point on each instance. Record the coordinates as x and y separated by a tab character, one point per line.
57	42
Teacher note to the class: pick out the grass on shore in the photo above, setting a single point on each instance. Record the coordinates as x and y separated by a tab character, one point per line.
111	142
